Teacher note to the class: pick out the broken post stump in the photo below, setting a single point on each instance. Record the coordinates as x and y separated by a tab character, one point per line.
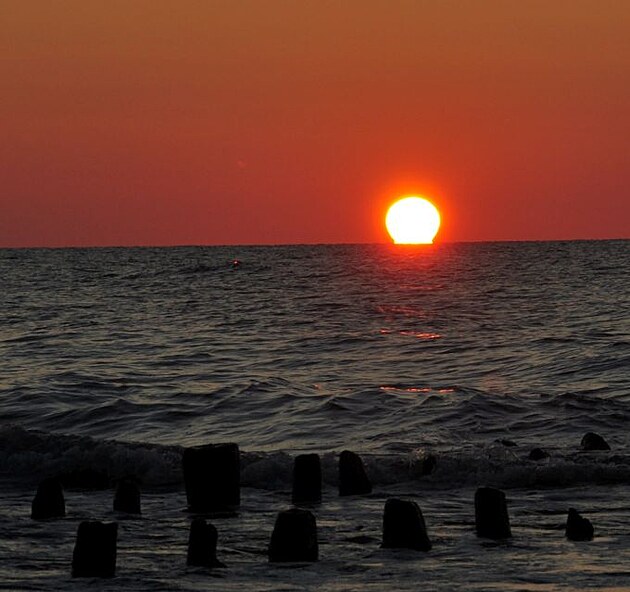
294	537
212	477
95	550
353	479
404	527
307	479
491	515
49	501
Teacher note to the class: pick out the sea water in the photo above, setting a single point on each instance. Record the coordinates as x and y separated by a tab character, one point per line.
468	354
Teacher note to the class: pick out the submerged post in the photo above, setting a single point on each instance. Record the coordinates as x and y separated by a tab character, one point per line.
491	515
294	537
127	497
212	477
353	479
49	501
94	553
202	545
404	527
307	479
578	528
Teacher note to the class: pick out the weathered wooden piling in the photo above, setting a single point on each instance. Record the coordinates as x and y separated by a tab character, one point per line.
294	537
307	479
404	527
95	550
353	479
491	516
49	501
578	528
593	441
212	477
127	497
202	545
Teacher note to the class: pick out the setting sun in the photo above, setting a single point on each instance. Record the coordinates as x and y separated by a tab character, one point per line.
412	221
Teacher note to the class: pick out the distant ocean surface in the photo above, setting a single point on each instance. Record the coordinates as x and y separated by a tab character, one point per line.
468	354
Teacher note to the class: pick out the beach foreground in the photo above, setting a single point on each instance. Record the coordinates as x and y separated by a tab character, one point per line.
152	548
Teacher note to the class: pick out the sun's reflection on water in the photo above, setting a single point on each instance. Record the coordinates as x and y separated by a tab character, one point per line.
428	335
415	389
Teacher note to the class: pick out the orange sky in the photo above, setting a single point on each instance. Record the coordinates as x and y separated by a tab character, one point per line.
153	122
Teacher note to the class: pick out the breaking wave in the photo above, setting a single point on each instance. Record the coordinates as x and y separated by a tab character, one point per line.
27	456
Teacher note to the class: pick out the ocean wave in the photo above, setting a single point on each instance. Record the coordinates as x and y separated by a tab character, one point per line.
281	414
28	456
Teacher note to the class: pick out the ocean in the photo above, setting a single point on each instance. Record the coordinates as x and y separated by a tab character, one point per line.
442	365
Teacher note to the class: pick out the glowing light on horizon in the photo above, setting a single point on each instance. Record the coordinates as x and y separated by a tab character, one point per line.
412	221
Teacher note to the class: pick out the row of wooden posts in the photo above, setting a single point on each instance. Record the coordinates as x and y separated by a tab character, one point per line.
212	482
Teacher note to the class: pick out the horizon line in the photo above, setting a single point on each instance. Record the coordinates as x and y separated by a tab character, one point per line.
226	245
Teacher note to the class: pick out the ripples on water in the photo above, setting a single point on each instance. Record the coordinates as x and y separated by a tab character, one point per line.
316	346
116	358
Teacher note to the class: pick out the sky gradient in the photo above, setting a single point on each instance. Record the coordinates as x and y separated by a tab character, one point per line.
133	122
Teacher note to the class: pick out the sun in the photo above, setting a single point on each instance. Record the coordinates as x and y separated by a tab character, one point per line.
412	221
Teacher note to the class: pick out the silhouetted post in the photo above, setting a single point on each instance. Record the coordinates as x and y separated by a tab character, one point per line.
48	501
578	528
95	550
491	515
212	477
352	477
202	545
593	441
538	454
127	498
404	527
307	479
294	537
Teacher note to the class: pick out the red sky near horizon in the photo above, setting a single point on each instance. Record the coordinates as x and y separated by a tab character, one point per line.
155	122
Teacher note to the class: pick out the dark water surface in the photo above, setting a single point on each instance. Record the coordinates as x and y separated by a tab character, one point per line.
119	357
369	343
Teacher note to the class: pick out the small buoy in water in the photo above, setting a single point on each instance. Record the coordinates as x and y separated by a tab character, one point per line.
236	264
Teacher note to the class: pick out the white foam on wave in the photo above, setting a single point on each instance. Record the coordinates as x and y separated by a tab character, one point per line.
29	456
